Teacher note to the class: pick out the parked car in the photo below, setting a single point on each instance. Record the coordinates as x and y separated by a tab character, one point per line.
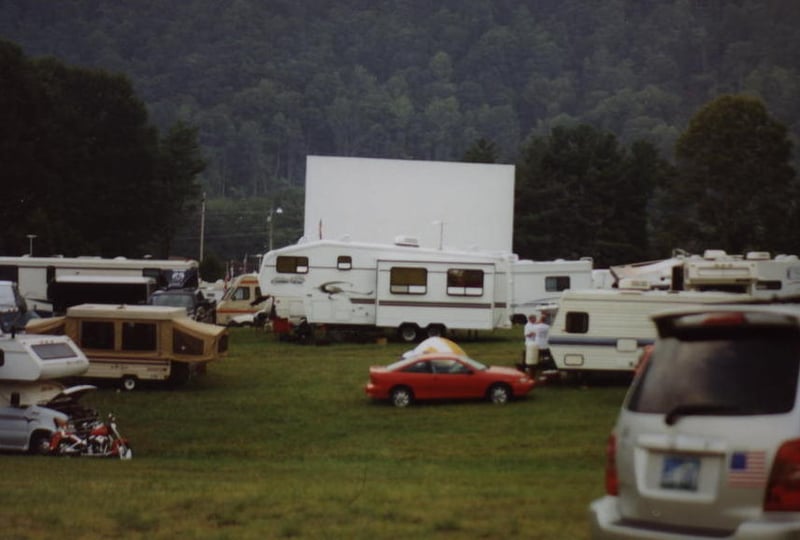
444	375
28	428
193	301
707	442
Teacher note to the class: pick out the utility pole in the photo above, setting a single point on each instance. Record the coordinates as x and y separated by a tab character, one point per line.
202	225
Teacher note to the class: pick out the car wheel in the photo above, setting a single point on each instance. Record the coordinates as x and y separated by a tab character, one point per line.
128	382
408	333
40	443
402	396
499	394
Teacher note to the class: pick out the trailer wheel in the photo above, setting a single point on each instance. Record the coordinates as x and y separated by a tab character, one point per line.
408	332
128	382
436	330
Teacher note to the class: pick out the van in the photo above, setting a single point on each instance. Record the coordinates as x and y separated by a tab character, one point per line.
707	442
237	307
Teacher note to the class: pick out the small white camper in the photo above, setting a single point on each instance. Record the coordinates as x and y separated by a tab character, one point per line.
30	363
605	330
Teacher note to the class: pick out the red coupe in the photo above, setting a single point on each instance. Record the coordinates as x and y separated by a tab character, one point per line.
442	375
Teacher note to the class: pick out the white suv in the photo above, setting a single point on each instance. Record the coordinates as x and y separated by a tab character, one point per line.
707	443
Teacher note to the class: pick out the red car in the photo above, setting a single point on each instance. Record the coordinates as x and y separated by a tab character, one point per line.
442	375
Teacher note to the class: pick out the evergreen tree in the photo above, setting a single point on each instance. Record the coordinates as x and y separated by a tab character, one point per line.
735	188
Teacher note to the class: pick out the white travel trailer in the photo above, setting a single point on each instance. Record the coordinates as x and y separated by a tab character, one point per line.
418	291
539	283
34	274
415	290
606	330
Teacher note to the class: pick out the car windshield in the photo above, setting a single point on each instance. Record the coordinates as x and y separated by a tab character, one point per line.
728	373
175	300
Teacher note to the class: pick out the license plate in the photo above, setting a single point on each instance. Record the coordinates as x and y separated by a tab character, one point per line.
680	472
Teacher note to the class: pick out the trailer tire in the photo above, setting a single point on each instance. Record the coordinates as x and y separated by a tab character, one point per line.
408	332
129	382
436	330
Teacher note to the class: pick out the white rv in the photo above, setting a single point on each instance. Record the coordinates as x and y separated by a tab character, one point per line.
756	274
605	330
540	283
35	274
414	290
418	291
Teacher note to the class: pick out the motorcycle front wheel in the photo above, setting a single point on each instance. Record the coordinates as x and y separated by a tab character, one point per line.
125	451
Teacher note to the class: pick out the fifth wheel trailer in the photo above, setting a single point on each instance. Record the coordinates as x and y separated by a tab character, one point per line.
415	290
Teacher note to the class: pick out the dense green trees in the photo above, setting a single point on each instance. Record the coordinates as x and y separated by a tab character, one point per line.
579	193
84	170
268	83
734	186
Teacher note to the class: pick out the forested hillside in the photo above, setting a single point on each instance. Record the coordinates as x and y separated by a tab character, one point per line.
269	82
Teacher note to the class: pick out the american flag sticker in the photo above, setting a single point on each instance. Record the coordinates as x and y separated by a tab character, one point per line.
747	469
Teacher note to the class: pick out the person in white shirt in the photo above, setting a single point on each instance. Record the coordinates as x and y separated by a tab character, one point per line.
536	341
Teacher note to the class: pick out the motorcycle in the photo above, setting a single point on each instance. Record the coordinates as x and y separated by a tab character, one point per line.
94	438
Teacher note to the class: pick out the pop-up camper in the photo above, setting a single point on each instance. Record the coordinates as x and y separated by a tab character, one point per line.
133	343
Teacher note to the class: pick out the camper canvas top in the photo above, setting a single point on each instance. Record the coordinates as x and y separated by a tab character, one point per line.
106	311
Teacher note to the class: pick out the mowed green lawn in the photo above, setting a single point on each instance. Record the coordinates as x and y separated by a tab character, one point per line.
279	441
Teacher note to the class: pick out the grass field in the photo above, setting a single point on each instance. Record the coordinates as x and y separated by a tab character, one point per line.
279	441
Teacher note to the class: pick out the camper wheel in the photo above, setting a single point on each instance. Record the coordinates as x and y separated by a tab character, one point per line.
408	332
436	330
129	382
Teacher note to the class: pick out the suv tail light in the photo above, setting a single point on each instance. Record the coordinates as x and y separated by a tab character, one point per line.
612	481
783	490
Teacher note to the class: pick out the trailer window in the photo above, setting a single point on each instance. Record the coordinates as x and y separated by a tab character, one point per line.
577	322
344	262
769	285
139	336
53	351
403	280
556	283
462	282
291	265
97	335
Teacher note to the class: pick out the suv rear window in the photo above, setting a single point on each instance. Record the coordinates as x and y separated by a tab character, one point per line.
730	372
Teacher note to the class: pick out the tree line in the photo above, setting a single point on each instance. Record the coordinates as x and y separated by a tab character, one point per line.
268	83
84	170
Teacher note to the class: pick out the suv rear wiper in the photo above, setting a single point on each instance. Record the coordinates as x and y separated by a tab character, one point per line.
698	409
